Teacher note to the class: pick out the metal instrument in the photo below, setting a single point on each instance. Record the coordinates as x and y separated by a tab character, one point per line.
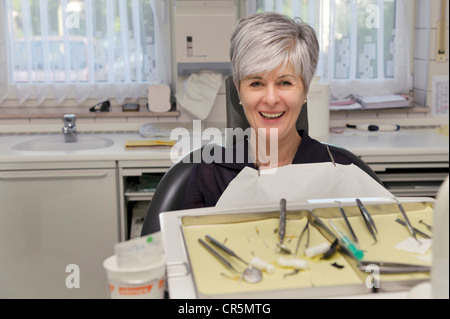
250	274
350	229
426	225
418	232
217	255
306	228
370	224
393	268
331	156
408	223
282	227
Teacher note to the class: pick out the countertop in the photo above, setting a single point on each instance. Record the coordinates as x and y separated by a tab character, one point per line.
406	143
116	152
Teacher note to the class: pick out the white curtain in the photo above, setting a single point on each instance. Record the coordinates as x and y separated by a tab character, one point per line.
4	86
80	49
365	44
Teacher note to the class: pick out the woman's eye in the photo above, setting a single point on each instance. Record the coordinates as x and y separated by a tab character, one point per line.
285	83
255	84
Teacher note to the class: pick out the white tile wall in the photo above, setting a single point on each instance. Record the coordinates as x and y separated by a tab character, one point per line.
425	64
422	13
421	50
420	74
421	47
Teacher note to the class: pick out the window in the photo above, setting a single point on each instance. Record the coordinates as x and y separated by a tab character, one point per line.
364	43
101	48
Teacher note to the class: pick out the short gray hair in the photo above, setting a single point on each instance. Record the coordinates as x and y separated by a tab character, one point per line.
263	42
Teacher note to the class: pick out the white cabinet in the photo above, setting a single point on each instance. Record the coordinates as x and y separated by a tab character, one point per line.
52	219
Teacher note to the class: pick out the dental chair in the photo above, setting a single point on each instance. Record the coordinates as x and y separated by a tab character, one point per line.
170	190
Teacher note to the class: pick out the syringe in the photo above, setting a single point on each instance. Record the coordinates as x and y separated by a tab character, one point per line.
359	254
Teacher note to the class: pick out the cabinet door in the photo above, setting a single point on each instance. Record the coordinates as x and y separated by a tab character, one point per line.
56	229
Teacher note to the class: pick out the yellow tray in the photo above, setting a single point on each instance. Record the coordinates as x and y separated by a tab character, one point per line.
254	234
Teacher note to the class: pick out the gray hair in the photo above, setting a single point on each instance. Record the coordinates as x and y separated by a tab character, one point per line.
263	42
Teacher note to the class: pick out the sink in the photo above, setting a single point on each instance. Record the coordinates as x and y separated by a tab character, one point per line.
57	143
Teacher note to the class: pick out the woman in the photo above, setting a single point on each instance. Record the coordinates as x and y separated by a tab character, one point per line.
273	60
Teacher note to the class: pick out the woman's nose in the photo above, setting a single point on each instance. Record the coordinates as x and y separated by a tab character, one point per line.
271	96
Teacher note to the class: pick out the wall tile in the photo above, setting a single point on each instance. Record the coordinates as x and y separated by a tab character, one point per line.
420	74
421	44
110	120
362	116
390	115
14	121
420	96
422	13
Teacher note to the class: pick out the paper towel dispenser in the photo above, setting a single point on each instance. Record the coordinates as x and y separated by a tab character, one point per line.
186	69
202	36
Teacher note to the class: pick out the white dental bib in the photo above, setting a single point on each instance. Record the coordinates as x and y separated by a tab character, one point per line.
300	182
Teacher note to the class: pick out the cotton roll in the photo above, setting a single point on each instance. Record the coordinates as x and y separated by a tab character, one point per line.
261	264
317	250
294	263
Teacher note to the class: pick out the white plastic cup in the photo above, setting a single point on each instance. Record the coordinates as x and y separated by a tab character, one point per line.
135	283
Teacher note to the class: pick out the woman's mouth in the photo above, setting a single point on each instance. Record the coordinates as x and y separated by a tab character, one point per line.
271	116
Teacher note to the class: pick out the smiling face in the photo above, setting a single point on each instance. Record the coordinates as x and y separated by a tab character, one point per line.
273	100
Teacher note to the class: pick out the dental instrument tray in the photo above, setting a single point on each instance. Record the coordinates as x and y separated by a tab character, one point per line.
394	262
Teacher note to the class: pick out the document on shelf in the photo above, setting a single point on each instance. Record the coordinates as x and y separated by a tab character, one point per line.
383	101
344	104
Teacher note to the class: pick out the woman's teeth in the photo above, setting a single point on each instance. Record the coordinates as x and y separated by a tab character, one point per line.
271	116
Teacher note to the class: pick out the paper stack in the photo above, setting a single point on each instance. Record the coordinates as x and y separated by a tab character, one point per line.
383	101
344	104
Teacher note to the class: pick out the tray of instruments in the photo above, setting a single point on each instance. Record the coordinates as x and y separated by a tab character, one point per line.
392	259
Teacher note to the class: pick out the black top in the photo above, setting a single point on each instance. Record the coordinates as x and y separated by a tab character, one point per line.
209	180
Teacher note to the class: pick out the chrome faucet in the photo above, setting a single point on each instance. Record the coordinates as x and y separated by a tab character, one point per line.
70	129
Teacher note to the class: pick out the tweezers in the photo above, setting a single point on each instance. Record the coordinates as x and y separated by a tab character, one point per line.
282	223
408	223
418	232
301	235
350	229
370	224
393	268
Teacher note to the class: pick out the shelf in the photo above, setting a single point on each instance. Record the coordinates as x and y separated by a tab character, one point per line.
139	197
413	109
38	113
136	192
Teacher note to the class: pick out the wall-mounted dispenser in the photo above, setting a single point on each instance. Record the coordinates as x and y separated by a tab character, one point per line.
202	31
202	36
